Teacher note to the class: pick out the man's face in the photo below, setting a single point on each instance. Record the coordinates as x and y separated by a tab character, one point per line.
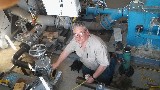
80	34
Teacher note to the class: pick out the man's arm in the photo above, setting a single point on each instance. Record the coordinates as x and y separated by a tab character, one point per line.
97	73
102	58
61	58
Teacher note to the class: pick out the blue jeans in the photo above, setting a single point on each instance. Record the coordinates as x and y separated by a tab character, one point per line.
106	76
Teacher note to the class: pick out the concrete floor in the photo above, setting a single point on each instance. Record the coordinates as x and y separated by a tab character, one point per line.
69	77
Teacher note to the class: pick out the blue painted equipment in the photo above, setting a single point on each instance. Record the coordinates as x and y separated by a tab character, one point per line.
144	15
143	25
108	15
143	34
138	13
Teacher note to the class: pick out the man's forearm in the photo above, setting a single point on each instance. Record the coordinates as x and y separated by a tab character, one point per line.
61	58
99	71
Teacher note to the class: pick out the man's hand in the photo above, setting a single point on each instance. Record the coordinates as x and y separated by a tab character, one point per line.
55	65
90	79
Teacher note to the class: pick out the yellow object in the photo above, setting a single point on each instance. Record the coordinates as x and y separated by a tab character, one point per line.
74	19
154	88
7	3
4	81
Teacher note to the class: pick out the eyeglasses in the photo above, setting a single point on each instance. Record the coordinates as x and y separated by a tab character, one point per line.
79	34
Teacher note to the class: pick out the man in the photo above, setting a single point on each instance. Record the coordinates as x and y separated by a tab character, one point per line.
92	52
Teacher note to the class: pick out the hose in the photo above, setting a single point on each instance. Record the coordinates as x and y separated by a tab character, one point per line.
16	61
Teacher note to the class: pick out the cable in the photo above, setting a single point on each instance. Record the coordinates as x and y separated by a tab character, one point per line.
79	85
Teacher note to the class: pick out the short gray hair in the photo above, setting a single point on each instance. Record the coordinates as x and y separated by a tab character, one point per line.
79	24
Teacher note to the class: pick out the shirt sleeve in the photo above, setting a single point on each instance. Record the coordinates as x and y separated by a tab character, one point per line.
102	55
70	47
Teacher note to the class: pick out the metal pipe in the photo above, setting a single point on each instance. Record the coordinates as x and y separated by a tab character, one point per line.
93	25
24	48
109	15
41	19
97	11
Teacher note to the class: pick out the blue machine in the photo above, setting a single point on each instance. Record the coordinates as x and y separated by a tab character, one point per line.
142	28
142	17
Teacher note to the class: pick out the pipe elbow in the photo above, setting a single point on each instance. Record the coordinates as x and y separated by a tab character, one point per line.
24	48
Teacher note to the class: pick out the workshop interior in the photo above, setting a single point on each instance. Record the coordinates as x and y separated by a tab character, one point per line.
33	33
